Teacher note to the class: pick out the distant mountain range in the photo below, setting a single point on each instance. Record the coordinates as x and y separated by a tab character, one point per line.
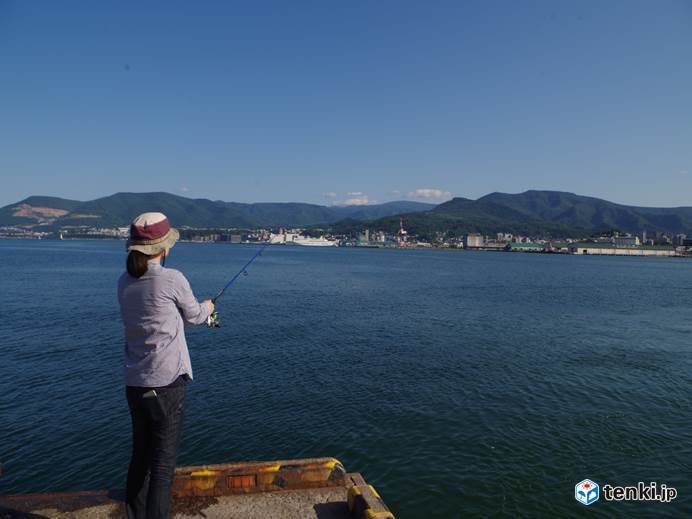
546	213
120	208
532	213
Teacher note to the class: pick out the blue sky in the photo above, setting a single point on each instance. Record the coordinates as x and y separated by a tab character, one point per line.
348	102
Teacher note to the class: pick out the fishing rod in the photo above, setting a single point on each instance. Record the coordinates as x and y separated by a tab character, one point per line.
213	319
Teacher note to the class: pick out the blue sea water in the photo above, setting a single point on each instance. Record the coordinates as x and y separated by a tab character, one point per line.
460	384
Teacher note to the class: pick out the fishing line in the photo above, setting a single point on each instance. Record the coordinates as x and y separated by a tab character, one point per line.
213	319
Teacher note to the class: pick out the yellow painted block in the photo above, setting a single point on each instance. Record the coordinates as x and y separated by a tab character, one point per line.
369	514
331	463
203	479
315	475
204	473
351	499
374	492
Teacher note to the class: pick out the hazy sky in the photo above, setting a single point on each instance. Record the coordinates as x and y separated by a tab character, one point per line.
328	101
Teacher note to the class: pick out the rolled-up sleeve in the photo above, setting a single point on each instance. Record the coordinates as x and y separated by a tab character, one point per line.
192	310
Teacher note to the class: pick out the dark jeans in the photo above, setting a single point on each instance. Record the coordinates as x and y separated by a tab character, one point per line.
157	423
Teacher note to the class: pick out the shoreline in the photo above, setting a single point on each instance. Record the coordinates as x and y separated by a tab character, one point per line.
430	247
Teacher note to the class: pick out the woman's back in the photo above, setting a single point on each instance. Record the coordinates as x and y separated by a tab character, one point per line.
152	308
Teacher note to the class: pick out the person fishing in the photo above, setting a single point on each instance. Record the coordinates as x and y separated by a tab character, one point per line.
155	303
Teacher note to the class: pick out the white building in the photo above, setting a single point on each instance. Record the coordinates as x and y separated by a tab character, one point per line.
626	241
610	249
473	241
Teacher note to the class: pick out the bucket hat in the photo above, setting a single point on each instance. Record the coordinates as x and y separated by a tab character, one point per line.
150	234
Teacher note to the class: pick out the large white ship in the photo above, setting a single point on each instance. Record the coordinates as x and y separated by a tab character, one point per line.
292	238
315	242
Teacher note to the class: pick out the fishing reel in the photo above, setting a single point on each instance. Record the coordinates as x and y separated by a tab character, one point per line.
213	320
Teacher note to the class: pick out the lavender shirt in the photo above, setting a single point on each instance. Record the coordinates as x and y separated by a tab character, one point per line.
154	309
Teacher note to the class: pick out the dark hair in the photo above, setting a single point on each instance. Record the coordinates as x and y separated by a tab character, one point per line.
137	263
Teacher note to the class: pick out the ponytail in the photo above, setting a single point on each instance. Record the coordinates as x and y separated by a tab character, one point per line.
137	263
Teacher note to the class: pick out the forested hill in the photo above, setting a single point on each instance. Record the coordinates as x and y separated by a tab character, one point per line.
120	208
546	213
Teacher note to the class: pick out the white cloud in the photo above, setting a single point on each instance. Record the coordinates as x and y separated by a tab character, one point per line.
349	198
354	201
184	189
427	193
684	172
357	200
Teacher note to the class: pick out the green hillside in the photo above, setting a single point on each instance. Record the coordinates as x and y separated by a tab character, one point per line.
593	213
8	214
459	217
545	213
120	208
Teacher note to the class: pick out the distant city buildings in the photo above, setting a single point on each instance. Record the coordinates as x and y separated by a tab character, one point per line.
656	243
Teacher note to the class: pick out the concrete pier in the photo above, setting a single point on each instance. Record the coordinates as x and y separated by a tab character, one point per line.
289	489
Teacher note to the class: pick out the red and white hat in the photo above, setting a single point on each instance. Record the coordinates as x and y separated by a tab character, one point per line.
150	234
